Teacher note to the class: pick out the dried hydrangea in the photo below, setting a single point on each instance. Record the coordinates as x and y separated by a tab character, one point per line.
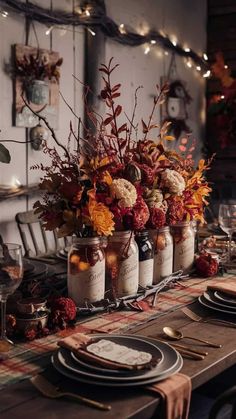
124	191
153	197
173	181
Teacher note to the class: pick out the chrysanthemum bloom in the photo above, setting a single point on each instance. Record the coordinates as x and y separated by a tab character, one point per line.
173	181
101	218
157	218
153	197
124	191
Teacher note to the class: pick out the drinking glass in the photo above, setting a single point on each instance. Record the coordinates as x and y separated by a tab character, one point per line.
227	222
11	273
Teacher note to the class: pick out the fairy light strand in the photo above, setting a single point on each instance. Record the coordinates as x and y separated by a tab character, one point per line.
90	16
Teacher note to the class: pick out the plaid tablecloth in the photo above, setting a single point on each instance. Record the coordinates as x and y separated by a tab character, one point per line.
26	359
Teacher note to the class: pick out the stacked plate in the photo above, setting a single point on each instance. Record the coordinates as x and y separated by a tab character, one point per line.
62	254
170	362
34	269
218	301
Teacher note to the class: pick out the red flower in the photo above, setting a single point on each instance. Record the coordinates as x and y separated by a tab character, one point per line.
138	216
175	211
147	174
206	265
157	218
65	307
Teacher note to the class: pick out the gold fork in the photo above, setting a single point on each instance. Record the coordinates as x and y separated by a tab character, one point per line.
49	390
195	317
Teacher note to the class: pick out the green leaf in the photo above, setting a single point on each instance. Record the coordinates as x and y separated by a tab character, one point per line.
4	154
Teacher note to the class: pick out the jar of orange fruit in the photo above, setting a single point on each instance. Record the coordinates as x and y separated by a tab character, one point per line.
86	271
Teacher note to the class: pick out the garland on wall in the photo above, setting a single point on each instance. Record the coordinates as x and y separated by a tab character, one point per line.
93	14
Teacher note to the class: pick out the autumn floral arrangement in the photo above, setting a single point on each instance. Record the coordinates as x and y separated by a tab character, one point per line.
115	181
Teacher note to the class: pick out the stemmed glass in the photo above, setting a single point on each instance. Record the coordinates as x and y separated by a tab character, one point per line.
227	222
11	273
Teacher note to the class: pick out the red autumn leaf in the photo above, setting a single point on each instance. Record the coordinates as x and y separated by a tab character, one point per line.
122	143
108	120
115	95
122	128
116	87
145	128
118	110
104	70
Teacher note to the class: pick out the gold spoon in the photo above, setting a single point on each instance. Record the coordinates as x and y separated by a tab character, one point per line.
177	335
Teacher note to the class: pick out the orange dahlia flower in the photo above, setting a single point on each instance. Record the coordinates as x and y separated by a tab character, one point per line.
101	218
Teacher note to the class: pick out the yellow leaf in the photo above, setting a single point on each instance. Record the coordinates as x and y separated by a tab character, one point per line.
169	138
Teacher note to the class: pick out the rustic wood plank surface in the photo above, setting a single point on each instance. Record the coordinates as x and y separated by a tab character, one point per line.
22	399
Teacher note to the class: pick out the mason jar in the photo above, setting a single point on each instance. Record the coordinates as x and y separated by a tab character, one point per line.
122	270
163	254
86	270
184	244
146	255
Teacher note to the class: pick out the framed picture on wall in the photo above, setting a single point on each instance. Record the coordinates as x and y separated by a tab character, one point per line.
36	81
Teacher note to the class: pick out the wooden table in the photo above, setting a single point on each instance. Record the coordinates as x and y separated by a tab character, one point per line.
23	400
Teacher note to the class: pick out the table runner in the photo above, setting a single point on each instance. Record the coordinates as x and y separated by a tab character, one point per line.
29	358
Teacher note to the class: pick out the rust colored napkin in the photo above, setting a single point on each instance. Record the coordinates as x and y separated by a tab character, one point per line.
227	286
176	393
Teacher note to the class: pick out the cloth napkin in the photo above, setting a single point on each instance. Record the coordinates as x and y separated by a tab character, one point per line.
176	394
227	286
77	343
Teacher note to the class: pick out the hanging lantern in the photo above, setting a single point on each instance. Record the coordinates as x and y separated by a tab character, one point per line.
37	135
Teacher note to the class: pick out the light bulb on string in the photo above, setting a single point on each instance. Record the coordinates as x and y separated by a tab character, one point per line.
187	49
207	74
189	64
4	13
91	31
174	42
122	28
205	56
87	12
198	68
49	30
153	41
222	97
226	66
147	50
166	53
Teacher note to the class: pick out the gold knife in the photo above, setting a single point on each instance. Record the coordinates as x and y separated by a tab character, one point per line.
184	347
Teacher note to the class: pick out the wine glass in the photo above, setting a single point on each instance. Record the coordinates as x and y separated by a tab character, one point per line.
227	222
11	273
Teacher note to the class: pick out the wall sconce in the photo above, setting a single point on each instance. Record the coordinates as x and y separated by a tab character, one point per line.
37	135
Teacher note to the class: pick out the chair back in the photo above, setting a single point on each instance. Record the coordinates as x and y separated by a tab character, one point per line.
36	241
227	398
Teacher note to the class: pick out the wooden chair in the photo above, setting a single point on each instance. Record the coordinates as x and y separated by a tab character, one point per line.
36	241
226	398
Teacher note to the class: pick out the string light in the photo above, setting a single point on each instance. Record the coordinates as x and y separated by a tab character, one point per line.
49	30
222	97
15	182
147	50
4	13
226	66
129	38
91	31
207	74
122	28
